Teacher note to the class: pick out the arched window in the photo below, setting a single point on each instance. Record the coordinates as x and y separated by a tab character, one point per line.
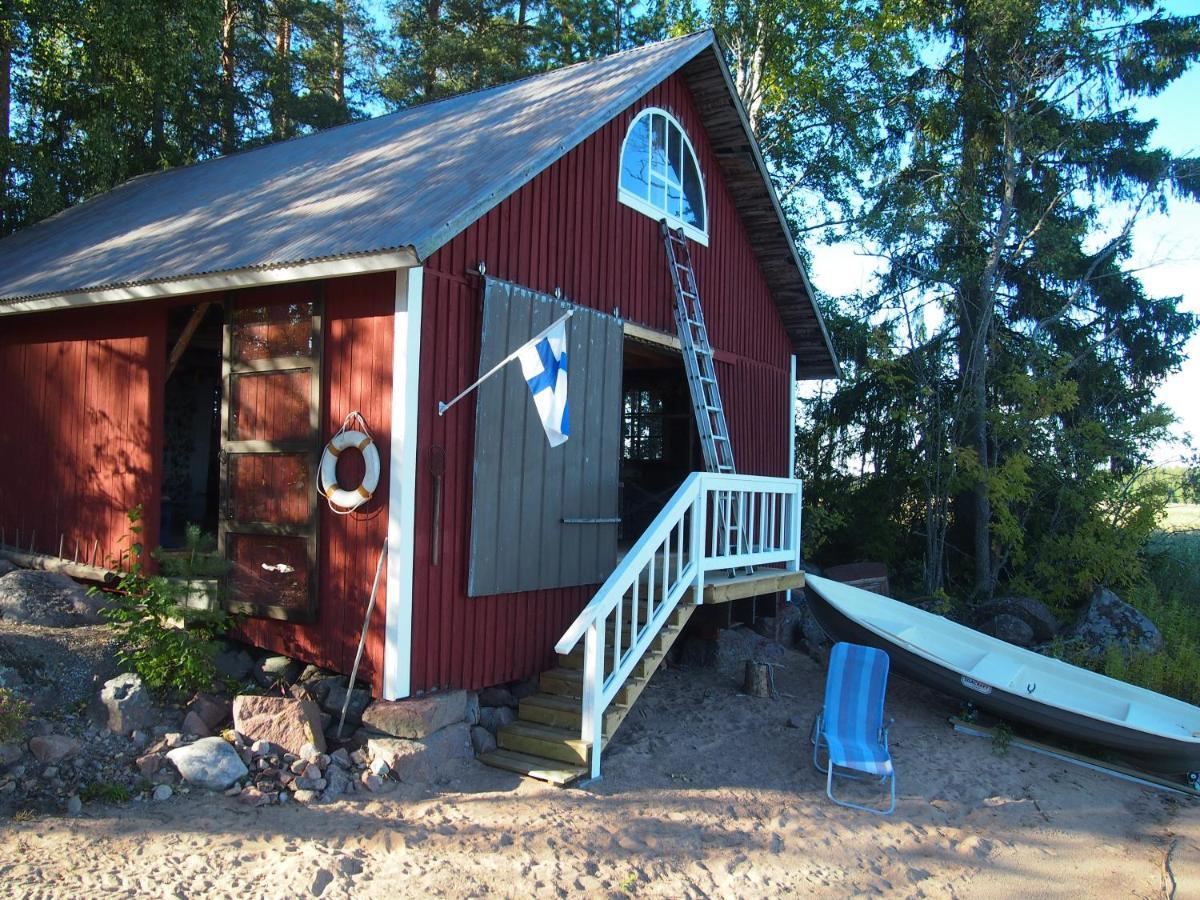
660	176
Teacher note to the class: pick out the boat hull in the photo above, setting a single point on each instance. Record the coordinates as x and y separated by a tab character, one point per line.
1155	753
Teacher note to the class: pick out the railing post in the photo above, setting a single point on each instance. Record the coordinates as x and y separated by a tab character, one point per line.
699	536
593	691
795	526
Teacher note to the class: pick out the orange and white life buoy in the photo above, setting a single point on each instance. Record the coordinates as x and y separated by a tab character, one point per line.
349	500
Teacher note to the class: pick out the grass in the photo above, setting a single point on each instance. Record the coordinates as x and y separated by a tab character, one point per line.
105	792
1182	517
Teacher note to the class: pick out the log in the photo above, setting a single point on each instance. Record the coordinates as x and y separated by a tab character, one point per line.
760	680
75	570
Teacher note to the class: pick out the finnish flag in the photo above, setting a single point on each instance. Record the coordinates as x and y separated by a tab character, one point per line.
544	365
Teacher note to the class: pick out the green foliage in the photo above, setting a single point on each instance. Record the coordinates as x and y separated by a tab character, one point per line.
1002	738
105	792
13	713
198	559
168	645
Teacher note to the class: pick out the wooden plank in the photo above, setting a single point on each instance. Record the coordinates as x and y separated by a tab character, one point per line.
45	563
1116	770
185	337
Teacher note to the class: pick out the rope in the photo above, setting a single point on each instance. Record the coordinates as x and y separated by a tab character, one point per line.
353	418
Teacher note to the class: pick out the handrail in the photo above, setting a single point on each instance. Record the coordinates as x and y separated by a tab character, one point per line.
754	520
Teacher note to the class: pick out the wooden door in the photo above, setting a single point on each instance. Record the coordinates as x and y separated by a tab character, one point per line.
270	444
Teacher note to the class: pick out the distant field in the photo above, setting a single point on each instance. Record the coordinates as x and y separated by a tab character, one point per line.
1182	517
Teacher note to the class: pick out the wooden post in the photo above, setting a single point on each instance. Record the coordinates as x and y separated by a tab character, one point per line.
760	680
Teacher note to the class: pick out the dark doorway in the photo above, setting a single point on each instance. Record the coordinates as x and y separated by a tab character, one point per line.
191	423
659	443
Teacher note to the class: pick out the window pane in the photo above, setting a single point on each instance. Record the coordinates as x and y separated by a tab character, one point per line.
269	570
658	148
270	406
282	329
693	194
676	155
635	164
658	193
269	488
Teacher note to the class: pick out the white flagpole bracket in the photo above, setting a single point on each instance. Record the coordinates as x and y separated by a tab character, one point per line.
443	406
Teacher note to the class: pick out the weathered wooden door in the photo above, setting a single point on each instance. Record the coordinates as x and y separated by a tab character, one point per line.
270	440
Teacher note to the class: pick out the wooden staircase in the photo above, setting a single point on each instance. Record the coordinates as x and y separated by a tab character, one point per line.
544	742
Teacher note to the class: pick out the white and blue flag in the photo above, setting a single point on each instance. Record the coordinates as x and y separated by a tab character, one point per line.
544	365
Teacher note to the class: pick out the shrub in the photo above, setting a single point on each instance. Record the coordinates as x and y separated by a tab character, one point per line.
167	644
13	713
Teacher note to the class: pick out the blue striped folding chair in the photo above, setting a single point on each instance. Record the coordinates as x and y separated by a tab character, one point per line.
850	726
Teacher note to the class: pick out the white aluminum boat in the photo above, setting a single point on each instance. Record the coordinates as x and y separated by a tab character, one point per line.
1160	733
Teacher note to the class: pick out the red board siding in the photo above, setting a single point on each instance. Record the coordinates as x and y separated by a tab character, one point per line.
357	375
81	397
565	229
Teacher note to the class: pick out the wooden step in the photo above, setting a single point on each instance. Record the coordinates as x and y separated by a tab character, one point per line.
562	682
545	741
665	637
565	712
550	770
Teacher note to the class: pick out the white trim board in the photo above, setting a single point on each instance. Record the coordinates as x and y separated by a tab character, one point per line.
406	363
218	281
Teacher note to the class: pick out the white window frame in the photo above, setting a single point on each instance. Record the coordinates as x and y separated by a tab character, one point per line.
643	204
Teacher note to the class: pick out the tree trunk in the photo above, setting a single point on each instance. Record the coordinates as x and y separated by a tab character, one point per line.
339	59
433	15
759	680
281	96
229	131
973	311
6	54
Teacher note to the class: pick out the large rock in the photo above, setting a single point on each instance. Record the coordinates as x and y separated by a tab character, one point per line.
211	763
124	704
212	709
418	761
1010	629
51	748
233	662
493	718
10	754
417	717
1108	620
272	670
287	722
807	633
497	696
5	567
46	598
335	696
1042	624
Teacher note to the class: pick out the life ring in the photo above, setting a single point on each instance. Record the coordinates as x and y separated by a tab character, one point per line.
334	493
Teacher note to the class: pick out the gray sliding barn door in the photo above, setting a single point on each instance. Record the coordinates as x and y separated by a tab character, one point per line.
542	517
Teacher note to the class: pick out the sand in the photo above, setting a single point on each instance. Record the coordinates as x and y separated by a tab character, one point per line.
706	792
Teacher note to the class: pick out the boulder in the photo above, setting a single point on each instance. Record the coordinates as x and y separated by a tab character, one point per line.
5	567
417	717
272	670
1108	620
193	724
46	598
471	716
807	633
284	721
124	704
50	748
233	663
213	711
497	696
9	754
1010	629
210	763
482	740
1042	624
335	696
149	764
337	782
418	761
493	717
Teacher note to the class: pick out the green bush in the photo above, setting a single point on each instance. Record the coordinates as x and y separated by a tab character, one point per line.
13	713
167	644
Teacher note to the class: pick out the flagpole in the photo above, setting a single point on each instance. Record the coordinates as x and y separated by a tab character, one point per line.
442	407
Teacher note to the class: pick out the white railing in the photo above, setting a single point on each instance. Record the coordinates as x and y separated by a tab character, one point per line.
713	522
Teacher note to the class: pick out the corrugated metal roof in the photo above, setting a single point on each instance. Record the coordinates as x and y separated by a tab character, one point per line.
414	178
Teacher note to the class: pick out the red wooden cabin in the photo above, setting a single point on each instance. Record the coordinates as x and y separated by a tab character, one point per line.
190	340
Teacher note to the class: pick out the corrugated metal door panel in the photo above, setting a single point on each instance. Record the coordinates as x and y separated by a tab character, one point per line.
523	488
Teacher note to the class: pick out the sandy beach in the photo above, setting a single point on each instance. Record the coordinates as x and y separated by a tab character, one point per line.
706	792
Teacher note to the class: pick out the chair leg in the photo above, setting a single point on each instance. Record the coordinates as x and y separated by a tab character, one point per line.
871	809
817	742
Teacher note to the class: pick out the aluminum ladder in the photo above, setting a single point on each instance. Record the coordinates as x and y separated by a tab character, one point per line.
702	382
